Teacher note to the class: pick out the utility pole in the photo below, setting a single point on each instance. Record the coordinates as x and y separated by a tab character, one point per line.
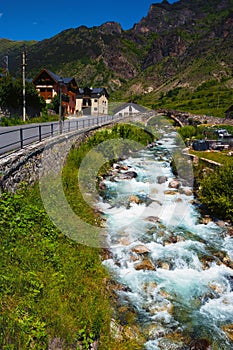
61	83
24	85
6	61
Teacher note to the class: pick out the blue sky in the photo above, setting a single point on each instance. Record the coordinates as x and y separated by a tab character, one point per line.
42	19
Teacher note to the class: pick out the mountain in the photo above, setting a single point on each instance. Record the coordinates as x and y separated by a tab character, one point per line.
183	44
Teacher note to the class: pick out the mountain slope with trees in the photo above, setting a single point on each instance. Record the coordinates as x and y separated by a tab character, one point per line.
179	45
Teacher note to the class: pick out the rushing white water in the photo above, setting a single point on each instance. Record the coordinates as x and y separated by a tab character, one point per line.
174	266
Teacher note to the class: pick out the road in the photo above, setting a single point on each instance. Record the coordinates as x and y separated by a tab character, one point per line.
16	137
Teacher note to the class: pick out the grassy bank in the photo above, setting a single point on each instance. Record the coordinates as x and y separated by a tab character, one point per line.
53	290
51	287
219	157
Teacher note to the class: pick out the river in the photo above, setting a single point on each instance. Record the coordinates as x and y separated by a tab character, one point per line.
176	270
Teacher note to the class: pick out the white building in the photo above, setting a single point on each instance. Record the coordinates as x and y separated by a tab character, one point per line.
92	101
128	109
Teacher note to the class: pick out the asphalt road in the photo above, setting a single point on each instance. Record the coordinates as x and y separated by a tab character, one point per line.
16	137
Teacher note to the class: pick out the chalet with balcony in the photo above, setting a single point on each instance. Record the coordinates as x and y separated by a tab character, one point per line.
49	85
92	101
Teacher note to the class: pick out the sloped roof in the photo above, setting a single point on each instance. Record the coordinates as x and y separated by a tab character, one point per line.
94	92
58	78
67	80
140	109
55	77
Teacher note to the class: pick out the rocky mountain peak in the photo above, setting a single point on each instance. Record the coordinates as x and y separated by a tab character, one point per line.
111	28
184	41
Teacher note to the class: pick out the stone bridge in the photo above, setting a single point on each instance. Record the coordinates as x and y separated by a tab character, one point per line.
184	118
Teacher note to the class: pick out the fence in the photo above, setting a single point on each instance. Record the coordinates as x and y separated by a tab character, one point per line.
18	137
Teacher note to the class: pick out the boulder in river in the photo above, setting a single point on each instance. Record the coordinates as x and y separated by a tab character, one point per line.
106	254
125	241
165	265
230	279
227	261
221	223
170	192
161	179
153	219
230	232
102	186
134	199
146	264
206	219
141	249
124	167
174	184
228	329
128	175
217	288
200	344
172	341
161	307
186	191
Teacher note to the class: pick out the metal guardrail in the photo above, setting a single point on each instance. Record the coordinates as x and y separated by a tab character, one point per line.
18	138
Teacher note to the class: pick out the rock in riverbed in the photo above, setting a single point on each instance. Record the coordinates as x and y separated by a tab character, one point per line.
174	184
200	344
146	264
141	249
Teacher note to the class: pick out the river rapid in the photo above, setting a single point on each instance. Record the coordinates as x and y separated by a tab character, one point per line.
176	271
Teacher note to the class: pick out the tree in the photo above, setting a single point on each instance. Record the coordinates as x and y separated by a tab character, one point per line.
11	97
55	103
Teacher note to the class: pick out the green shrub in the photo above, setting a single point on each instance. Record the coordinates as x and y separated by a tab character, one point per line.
216	192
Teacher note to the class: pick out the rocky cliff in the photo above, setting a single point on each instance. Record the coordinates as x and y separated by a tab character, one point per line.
180	44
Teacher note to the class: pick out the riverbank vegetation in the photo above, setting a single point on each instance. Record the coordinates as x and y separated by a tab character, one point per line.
202	131
216	192
213	183
55	293
51	288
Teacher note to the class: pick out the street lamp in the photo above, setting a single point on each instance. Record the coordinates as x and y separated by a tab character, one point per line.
60	82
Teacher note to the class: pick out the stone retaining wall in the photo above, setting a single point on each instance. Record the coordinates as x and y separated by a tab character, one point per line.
207	162
25	166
